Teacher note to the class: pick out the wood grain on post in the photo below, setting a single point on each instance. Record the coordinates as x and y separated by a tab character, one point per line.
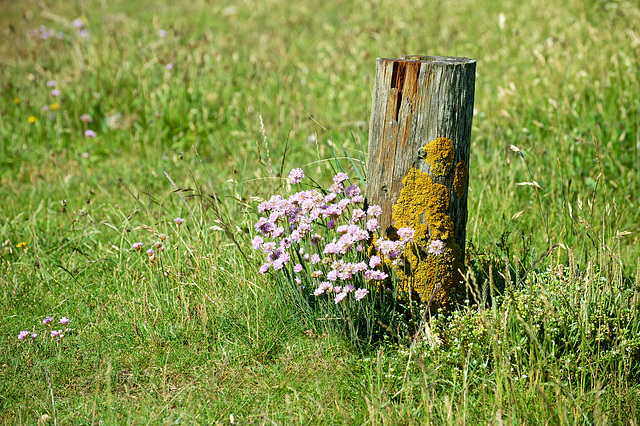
418	165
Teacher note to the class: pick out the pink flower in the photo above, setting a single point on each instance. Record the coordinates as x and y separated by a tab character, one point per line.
47	320
339	297
51	83
90	133
264	268
64	321
296	176
436	247
257	242
374	210
372	225
178	221
136	246
23	334
374	261
340	177
86	118
361	293
298	268
55	92
406	234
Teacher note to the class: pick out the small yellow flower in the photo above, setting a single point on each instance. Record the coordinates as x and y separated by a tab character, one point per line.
22	244
54	106
32	119
16	101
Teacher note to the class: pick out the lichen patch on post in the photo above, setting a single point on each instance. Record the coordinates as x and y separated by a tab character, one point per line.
422	205
460	179
439	155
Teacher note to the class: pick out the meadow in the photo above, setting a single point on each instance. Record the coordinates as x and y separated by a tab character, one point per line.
127	122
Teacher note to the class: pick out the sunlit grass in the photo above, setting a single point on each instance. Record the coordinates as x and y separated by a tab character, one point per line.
196	99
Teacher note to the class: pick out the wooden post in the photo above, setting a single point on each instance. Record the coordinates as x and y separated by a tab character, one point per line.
418	166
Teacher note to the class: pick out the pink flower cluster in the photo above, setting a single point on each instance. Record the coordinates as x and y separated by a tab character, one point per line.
59	334
320	239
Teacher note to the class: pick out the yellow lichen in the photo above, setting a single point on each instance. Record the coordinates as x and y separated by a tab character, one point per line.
460	179
439	155
422	205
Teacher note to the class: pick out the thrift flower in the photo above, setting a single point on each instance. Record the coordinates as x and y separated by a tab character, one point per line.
298	268
23	334
55	92
339	297
136	246
296	176
340	177
51	83
436	247
169	67
179	221
90	133
406	234
361	293
86	118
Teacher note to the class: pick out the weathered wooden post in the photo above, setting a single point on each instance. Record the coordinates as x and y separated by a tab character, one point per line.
418	166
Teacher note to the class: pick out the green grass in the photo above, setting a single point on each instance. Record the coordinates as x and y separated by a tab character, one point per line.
199	336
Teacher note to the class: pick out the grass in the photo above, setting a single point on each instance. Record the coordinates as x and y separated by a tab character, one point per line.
256	89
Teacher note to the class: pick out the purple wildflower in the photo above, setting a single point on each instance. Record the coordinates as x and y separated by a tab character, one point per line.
374	210
339	297
296	176
298	268
64	321
47	320
56	333
436	247
352	191
34	335
178	221
136	246
374	261
90	133
169	67
406	234
264	268
257	242
23	334
340	177
86	118
361	293
51	83
55	92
